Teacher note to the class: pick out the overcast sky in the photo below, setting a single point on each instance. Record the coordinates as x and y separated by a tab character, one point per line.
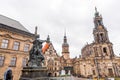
76	16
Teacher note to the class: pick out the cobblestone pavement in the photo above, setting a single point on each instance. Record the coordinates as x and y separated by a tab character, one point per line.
76	78
67	78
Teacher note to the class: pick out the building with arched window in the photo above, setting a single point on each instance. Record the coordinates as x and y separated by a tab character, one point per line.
52	59
98	58
15	43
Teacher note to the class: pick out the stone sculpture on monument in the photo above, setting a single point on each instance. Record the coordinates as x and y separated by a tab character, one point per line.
34	69
36	57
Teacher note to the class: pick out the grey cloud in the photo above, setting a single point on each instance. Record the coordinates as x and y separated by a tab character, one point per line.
53	16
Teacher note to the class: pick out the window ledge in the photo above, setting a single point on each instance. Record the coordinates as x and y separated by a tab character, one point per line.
12	66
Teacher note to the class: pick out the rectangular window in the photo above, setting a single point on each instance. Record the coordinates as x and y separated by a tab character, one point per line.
16	45
13	61
1	60
105	50
110	72
26	47
55	63
4	43
24	62
93	72
55	68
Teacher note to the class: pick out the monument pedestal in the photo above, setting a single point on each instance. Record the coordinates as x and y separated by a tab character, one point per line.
34	73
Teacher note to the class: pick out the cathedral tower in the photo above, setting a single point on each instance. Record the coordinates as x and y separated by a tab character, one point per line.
103	45
100	32
65	48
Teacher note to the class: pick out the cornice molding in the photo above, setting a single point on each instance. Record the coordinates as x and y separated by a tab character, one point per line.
9	36
14	30
9	51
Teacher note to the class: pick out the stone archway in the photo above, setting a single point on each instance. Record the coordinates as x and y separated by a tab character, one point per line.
55	74
49	74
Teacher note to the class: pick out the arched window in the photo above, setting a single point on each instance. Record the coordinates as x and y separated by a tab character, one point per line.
102	37
98	38
55	74
93	72
105	50
55	63
55	68
99	22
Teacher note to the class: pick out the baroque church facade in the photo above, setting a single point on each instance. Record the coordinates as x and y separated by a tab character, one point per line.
15	43
97	59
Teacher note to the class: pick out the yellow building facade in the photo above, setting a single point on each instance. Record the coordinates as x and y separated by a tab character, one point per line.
15	43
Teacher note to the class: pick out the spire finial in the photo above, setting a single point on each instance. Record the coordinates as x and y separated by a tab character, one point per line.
48	39
96	12
95	9
65	32
65	38
36	35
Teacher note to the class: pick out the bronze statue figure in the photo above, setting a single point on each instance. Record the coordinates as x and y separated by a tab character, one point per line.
36	57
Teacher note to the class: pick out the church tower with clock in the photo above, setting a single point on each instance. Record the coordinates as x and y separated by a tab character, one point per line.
65	48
